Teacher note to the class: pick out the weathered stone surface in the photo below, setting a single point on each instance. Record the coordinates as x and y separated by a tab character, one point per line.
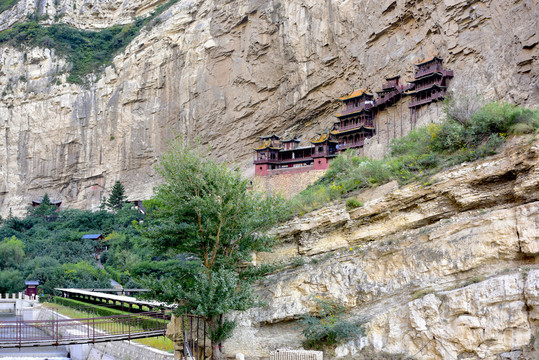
229	71
439	272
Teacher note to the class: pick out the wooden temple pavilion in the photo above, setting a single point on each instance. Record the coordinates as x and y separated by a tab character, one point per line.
355	120
391	92
275	153
430	83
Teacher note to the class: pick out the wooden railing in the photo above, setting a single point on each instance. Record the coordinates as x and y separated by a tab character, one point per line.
351	145
431	98
357	126
355	109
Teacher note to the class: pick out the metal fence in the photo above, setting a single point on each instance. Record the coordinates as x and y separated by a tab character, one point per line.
59	331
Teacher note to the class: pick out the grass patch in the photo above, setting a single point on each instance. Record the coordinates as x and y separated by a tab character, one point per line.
87	51
353	203
422	153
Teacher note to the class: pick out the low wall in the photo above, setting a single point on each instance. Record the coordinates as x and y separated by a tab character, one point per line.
121	350
287	182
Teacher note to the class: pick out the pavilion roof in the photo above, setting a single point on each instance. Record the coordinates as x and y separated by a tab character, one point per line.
429	60
92	236
267	144
355	94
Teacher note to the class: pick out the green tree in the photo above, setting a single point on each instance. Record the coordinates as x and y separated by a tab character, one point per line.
11	252
11	281
117	197
204	210
45	210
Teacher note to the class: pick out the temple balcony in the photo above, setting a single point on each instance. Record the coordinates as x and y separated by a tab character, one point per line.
351	145
430	70
353	109
434	97
267	161
296	159
426	86
368	123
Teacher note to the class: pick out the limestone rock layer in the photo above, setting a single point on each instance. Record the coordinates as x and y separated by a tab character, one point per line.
448	270
227	72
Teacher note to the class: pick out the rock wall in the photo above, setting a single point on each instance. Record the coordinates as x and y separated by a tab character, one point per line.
230	71
286	183
448	270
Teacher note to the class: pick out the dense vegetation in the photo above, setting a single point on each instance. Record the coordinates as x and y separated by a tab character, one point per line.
6	4
87	51
47	245
464	136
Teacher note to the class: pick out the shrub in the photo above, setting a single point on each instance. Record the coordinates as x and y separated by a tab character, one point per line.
353	203
328	328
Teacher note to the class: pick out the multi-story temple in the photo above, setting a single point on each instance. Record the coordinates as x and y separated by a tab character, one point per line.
430	83
355	121
275	153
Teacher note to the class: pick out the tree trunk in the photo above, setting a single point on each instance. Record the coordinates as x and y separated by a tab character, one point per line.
216	347
216	353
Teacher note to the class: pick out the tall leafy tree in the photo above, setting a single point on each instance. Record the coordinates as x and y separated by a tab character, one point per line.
204	210
11	253
117	196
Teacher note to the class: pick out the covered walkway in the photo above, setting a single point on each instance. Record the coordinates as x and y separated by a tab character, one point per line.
124	303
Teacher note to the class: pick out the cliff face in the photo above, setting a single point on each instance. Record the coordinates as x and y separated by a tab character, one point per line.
229	71
442	271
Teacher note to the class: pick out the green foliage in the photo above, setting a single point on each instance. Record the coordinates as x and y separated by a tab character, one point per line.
353	203
328	328
7	4
117	197
50	248
11	281
87	51
11	253
474	133
45	209
205	211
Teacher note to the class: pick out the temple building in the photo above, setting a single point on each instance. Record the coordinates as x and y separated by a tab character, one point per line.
429	84
391	92
355	120
281	155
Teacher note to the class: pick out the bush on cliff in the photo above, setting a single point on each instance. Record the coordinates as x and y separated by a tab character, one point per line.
87	51
475	133
328	327
7	4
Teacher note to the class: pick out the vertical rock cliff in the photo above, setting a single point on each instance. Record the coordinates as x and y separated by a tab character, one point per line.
227	72
442	271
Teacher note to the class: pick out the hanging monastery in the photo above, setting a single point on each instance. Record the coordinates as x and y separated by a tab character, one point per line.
356	121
